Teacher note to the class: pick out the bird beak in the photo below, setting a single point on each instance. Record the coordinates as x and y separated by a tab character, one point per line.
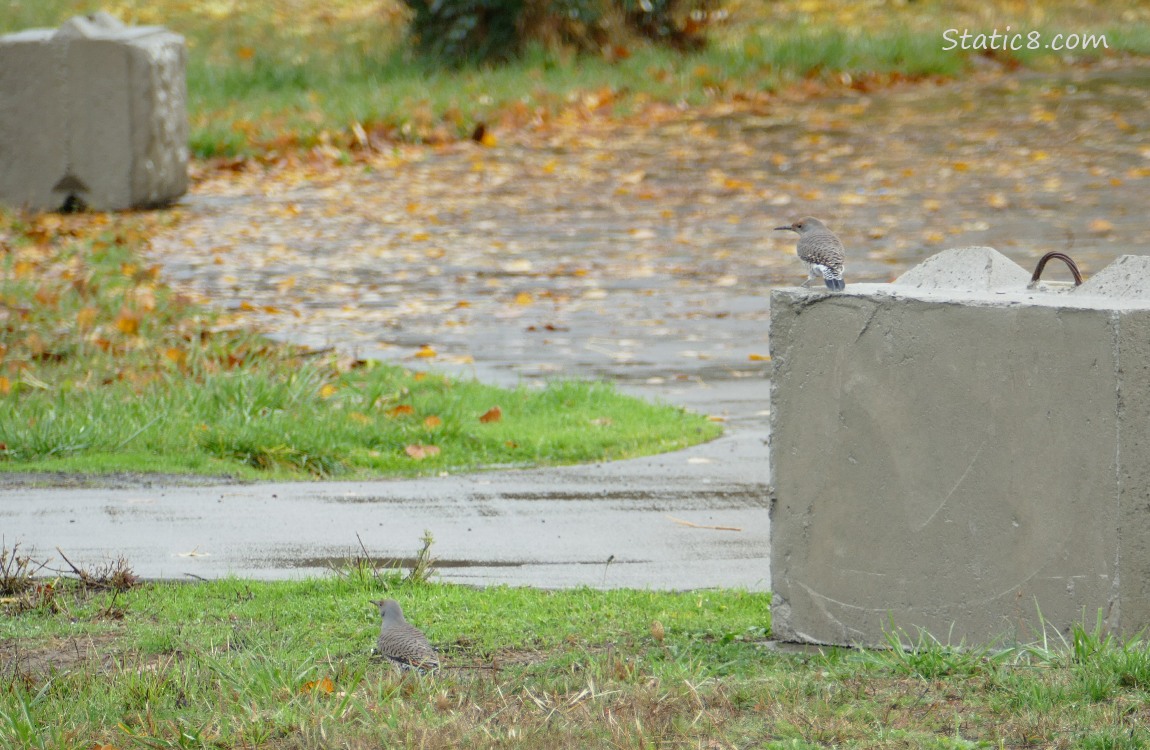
781	228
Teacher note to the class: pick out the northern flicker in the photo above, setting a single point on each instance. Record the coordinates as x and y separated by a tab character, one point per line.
821	250
401	643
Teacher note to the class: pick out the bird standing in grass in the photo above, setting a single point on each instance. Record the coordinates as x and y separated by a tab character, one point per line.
821	250
401	643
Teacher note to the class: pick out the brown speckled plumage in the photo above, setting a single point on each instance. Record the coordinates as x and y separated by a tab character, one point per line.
401	643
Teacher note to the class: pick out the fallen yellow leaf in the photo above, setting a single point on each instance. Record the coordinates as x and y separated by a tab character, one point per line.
86	317
494	414
46	297
402	410
425	352
324	685
128	322
418	451
759	357
327	391
432	422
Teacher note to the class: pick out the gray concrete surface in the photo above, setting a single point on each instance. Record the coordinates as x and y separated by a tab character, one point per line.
94	111
958	461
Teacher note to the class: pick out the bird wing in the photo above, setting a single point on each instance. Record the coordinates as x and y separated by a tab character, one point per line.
824	250
408	648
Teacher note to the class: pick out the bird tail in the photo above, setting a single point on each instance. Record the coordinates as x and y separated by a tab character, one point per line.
835	285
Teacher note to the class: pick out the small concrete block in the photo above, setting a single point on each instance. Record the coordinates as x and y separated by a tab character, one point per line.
96	112
33	121
1126	278
972	269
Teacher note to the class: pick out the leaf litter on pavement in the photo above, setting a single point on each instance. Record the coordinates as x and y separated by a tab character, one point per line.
585	243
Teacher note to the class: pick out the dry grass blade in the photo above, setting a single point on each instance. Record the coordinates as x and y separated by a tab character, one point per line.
17	571
694	525
424	566
113	575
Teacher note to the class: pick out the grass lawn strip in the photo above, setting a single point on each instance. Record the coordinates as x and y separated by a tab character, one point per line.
233	664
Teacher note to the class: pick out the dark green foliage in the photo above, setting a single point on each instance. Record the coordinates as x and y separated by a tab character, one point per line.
471	31
461	31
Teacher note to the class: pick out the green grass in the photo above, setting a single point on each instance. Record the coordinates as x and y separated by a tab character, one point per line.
268	76
240	664
104	368
270	421
229	664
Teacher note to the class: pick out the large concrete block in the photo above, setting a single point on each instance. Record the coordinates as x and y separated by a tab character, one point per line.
94	112
959	460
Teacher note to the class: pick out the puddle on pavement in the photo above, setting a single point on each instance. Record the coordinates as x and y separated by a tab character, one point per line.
754	495
718	495
384	563
338	562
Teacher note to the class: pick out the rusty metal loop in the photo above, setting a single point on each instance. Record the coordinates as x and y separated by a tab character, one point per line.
1062	257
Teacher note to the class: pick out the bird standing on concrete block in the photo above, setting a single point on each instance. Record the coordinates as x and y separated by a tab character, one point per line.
401	643
821	250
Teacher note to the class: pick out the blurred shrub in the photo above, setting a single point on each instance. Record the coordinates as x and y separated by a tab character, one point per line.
461	31
468	31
